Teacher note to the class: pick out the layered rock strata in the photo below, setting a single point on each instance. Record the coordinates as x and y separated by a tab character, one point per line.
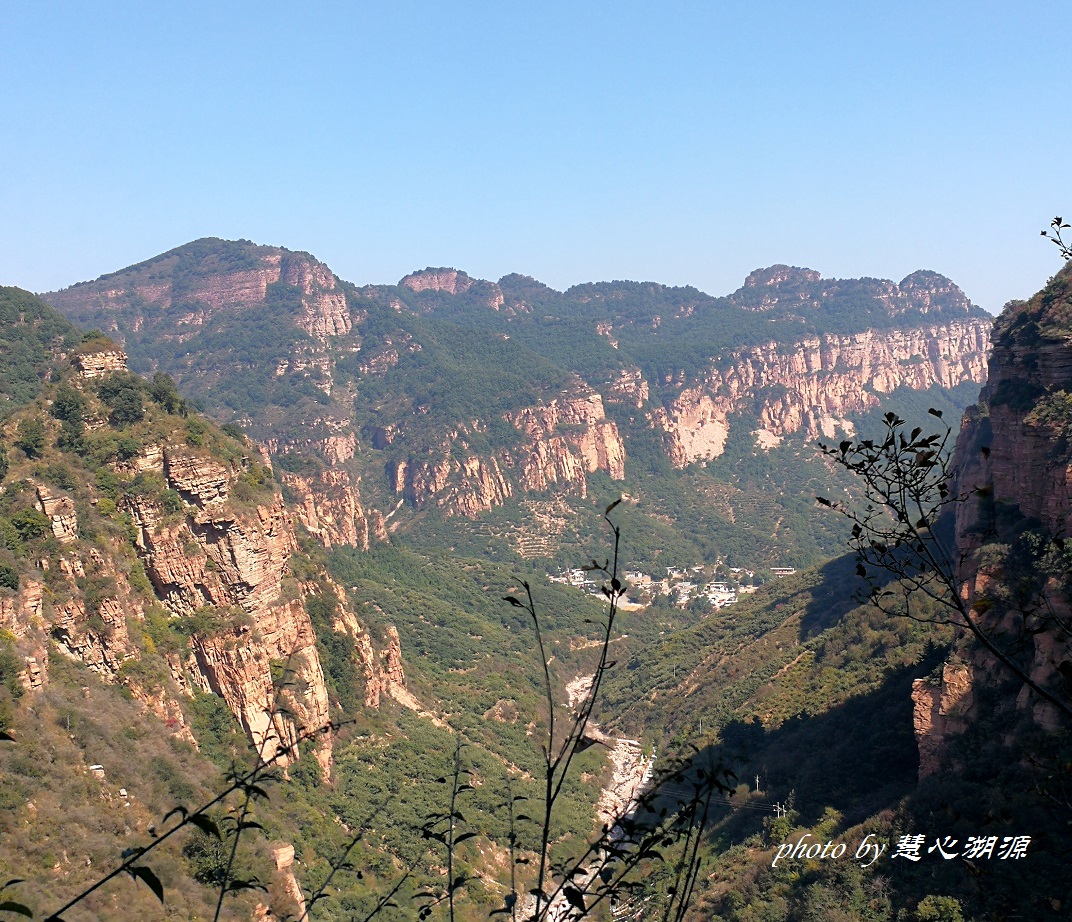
235	565
809	388
940	710
563	442
812	387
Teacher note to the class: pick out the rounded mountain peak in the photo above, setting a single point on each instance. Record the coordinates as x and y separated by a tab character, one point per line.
452	281
779	275
929	291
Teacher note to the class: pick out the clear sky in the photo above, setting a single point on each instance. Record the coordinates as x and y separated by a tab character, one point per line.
685	143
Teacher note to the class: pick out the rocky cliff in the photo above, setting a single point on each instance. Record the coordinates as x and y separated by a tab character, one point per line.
190	286
562	442
940	710
814	387
166	565
1014	471
556	445
218	558
453	282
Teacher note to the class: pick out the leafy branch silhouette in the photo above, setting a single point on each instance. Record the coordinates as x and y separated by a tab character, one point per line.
573	889
907	479
1054	234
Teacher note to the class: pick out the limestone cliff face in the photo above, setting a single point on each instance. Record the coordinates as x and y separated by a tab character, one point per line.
629	387
215	556
453	282
21	616
463	486
804	290
220	286
328	504
212	287
1014	465
384	673
569	437
324	310
449	280
60	512
93	363
235	663
563	441
812	386
373	422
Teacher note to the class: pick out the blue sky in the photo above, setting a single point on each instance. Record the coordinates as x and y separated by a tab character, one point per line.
686	143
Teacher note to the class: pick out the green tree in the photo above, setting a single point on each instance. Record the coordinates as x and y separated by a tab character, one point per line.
68	405
164	392
30	524
9	577
31	437
939	909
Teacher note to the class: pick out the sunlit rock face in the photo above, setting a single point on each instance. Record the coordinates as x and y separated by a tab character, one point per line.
812	387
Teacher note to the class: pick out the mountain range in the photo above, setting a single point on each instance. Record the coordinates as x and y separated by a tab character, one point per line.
404	408
335	484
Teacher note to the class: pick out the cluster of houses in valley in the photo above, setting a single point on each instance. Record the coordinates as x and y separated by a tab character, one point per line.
718	584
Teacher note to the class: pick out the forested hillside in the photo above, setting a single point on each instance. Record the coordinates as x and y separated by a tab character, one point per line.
161	620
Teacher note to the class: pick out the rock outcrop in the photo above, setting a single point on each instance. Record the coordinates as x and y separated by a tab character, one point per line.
324	310
234	565
940	710
466	486
449	280
568	435
198	480
60	512
283	859
21	614
812	387
94	363
562	442
453	282
629	387
1014	453
100	638
384	672
328	504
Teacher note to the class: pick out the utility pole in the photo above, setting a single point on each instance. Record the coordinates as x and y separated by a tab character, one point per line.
757	783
